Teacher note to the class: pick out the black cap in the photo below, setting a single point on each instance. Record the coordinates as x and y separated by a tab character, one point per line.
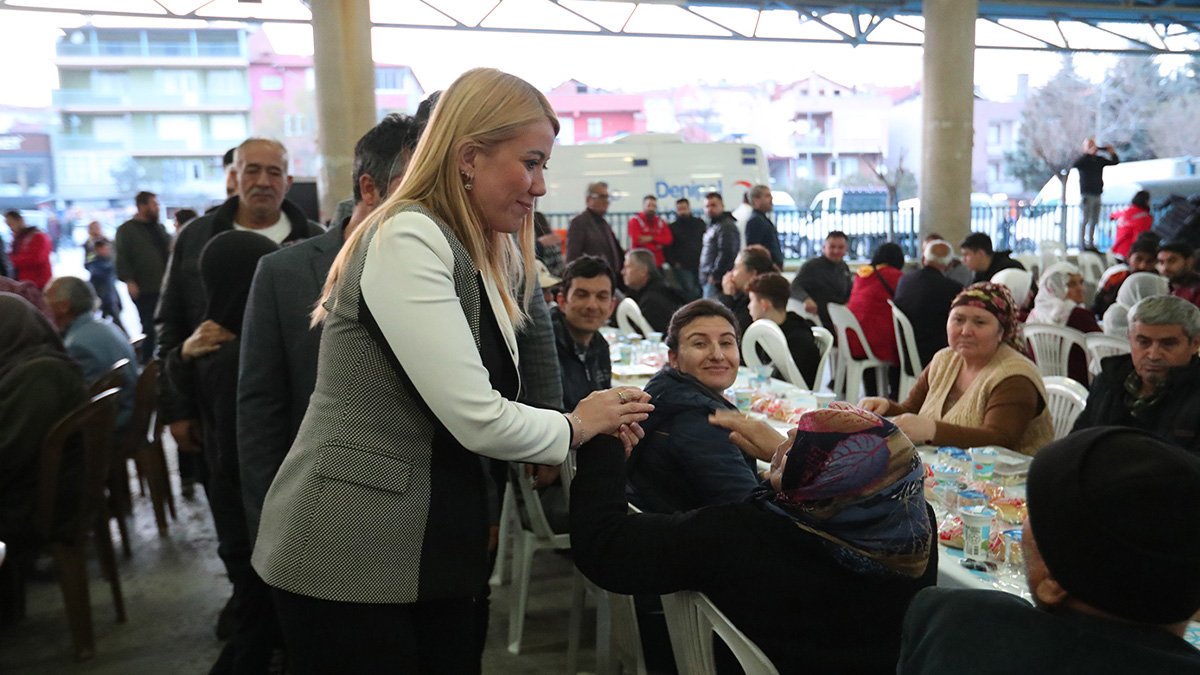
1115	512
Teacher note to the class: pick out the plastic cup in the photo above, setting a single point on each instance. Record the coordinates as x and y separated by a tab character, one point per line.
1014	555
824	398
743	398
984	462
977	530
946	490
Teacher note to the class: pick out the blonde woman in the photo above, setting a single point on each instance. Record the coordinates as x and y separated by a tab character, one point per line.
374	532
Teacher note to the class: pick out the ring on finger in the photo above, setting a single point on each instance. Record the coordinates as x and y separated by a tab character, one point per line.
621	396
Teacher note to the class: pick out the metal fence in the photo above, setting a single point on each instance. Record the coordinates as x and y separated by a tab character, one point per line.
802	232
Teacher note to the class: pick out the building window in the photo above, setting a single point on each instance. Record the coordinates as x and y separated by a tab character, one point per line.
177	82
228	82
293	124
183	129
595	127
227	127
111	129
270	83
110	82
310	79
390	79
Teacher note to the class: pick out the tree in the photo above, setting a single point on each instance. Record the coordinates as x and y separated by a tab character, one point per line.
1128	96
1173	129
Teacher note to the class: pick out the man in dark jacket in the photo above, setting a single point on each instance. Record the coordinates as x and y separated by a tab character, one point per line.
687	242
768	294
590	234
825	279
925	295
1111	548
722	241
1091	185
654	297
585	303
259	206
142	246
978	255
759	229
1156	387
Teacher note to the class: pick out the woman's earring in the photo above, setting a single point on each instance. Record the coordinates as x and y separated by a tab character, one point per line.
469	181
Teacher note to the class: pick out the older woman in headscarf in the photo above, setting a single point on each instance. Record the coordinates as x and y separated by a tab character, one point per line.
1137	286
816	567
1059	302
39	384
982	389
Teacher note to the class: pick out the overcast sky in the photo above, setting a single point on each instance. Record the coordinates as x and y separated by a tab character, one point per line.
615	63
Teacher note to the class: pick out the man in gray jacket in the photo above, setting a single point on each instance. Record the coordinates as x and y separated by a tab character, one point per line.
722	241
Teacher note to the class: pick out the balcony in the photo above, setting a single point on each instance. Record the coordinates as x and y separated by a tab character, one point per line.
148	146
83	100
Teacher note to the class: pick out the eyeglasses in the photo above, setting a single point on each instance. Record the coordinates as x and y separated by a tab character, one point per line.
601	197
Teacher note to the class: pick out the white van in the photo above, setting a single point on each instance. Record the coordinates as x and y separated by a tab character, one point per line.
662	165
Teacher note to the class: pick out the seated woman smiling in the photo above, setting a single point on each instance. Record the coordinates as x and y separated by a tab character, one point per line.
981	390
684	462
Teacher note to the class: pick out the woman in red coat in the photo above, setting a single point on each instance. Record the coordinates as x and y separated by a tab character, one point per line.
1131	222
873	287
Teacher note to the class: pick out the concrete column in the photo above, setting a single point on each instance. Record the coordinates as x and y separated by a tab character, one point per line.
345	73
949	86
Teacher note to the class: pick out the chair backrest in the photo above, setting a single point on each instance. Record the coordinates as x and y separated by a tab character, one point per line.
80	443
1050	251
845	322
630	319
906	341
1100	346
1029	261
824	341
1091	265
797	307
1018	281
1066	399
1051	345
113	377
529	505
770	337
142	422
692	618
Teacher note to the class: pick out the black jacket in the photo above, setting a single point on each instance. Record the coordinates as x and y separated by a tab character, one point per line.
943	627
580	375
658	302
684	462
1000	261
924	296
760	230
824	281
1091	172
687	243
722	241
764	573
181	305
1175	418
797	330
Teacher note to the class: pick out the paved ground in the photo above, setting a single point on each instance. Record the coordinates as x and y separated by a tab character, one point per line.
175	587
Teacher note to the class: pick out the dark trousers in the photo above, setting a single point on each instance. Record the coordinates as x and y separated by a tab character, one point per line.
256	633
323	636
146	303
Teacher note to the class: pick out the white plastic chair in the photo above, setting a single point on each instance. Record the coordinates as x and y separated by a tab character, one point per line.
824	345
1091	266
1050	252
630	319
1051	345
797	307
906	343
1029	261
1018	281
770	337
849	369
1100	346
532	533
1066	399
692	618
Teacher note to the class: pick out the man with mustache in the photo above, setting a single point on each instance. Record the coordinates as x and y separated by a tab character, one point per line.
261	167
1156	387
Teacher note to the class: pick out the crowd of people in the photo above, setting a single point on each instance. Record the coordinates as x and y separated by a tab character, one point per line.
351	399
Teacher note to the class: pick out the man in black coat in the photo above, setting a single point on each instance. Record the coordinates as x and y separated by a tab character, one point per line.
982	259
722	241
924	295
1156	387
759	229
654	297
687	243
585	303
1091	185
825	279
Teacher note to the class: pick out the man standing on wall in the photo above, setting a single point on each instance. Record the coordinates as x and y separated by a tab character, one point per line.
1091	185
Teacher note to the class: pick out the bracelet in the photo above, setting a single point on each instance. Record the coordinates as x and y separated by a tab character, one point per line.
577	438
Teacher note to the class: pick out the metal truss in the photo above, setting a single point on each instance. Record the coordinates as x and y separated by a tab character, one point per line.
1104	26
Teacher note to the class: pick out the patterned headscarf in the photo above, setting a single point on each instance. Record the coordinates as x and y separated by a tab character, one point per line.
996	299
854	480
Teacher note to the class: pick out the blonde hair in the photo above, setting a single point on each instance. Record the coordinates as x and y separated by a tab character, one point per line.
482	108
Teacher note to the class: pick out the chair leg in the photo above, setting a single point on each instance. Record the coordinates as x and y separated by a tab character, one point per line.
575	621
148	458
72	579
504	539
882	381
123	529
605	663
854	375
523	549
108	563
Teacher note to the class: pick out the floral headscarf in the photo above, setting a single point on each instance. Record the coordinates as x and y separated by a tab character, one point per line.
854	480
996	299
1051	304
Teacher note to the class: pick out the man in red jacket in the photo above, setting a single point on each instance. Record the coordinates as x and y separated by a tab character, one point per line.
30	253
649	231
